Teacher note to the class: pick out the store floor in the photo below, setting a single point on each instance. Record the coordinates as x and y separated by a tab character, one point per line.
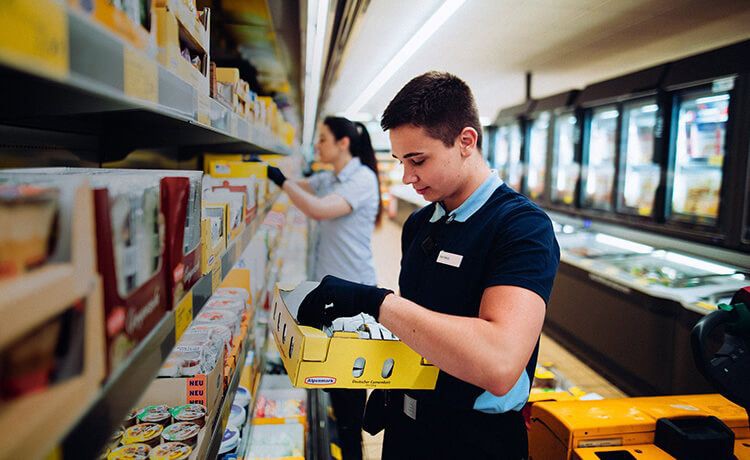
386	246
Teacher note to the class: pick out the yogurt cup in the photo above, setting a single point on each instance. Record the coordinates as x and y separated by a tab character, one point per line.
130	452
230	440
184	432
143	433
191	413
241	397
237	415
171	451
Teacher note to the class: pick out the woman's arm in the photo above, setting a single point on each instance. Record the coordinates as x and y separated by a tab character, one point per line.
319	208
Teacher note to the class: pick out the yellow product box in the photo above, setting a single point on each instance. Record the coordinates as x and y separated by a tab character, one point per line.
171	41
213	235
314	360
224	168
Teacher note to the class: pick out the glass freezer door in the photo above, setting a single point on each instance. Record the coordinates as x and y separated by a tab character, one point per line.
699	156
502	151
640	173
538	141
508	155
565	168
600	169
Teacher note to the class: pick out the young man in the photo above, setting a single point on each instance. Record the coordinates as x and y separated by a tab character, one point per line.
476	273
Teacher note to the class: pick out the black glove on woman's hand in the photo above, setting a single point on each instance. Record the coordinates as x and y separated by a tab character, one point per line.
276	175
337	298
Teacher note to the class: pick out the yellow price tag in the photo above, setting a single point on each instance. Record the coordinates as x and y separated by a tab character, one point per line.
216	278
34	36
183	315
141	76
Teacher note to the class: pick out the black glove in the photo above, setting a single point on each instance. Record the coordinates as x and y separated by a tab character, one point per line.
347	299
276	175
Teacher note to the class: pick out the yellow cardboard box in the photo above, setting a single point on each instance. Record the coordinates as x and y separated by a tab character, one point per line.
314	360
228	168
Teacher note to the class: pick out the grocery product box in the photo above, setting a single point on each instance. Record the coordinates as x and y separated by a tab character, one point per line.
183	45
285	442
280	406
236	208
245	169
130	256
129	19
246	186
52	339
214	235
314	360
206	389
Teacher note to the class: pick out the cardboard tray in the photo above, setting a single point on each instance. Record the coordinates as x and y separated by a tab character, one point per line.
314	360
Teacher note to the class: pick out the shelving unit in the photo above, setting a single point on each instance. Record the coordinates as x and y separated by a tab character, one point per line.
78	84
123	388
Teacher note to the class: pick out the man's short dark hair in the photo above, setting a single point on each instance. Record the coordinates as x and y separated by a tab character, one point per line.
438	102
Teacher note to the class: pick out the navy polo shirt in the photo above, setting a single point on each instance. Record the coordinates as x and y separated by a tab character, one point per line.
501	238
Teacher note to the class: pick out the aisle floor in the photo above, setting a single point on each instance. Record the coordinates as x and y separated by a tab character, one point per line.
386	245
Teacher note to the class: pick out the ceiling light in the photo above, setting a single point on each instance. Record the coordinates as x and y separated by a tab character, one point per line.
709	99
442	14
317	14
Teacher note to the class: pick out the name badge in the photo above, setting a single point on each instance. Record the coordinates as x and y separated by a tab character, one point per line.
448	258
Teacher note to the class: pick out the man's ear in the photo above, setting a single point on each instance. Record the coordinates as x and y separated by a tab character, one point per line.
467	141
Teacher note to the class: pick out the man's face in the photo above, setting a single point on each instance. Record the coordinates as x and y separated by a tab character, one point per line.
433	169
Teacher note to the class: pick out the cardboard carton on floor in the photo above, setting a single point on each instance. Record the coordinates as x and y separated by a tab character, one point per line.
314	360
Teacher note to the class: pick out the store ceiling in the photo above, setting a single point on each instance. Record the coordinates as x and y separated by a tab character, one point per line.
566	44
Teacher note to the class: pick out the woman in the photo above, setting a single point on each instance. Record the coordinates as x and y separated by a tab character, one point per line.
346	203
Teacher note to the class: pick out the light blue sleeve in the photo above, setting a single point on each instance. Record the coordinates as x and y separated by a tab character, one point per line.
513	400
360	188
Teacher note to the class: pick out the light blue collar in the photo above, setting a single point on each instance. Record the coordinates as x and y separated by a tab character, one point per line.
349	169
472	204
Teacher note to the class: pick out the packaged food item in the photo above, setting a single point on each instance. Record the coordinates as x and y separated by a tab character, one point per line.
27	242
131	419
235	305
241	397
219	332
138	451
223	317
155	414
171	451
237	415
191	413
143	433
232	293
184	432
230	441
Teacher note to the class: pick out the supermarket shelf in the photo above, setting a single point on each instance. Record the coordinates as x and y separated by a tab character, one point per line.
124	388
118	97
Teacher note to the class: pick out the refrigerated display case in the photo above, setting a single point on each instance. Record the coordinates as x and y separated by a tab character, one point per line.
509	144
600	152
640	171
708	145
698	155
620	149
566	166
539	128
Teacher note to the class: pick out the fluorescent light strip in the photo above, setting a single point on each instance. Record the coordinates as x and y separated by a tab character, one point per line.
623	244
699	264
317	15
442	14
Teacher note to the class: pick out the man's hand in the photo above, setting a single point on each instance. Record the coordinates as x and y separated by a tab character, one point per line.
337	298
276	175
